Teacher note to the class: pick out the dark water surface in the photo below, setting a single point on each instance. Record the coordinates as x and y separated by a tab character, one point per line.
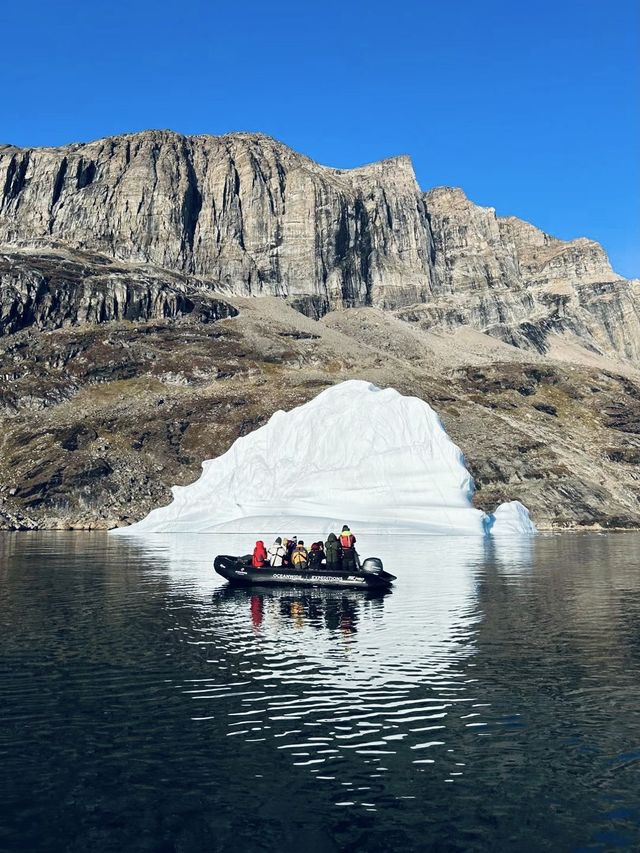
491	702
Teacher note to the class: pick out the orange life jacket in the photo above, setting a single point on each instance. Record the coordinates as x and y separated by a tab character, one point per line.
346	540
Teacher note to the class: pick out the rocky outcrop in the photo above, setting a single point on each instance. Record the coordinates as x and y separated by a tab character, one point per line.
54	290
513	281
243	210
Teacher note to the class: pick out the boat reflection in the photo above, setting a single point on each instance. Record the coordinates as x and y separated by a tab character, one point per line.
320	609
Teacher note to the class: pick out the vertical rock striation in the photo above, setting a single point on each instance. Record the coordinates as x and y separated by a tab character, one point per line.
243	210
511	280
245	214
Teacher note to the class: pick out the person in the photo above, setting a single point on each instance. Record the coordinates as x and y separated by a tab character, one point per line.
332	552
291	544
259	558
300	556
285	560
277	552
347	542
316	556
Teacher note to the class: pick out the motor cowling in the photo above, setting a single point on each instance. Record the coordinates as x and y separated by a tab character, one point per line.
372	566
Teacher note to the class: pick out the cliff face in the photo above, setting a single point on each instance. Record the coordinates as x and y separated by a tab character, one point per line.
513	281
250	216
53	290
242	210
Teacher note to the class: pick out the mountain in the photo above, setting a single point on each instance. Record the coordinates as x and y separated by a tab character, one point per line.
243	210
252	218
132	348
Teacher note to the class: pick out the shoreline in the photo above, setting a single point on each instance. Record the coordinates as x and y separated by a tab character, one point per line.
91	528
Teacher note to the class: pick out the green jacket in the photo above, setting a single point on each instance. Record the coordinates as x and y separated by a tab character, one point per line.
332	548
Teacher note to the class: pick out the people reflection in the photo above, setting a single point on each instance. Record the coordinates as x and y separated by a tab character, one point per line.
257	610
341	615
337	613
297	613
348	617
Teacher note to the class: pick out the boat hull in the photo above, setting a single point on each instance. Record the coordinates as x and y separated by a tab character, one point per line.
240	572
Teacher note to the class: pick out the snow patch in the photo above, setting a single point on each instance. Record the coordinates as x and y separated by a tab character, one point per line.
354	454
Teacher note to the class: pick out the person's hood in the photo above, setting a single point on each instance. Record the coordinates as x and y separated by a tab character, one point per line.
332	537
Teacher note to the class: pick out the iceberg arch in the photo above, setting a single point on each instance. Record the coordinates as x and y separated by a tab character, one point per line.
372	458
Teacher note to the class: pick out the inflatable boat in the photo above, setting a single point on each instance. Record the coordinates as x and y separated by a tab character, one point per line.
239	571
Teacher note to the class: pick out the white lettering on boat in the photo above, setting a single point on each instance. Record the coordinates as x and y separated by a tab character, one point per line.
348	579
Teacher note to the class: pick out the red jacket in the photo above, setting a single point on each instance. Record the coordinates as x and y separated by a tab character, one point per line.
259	559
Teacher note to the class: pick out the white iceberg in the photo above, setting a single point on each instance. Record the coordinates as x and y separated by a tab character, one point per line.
354	454
511	518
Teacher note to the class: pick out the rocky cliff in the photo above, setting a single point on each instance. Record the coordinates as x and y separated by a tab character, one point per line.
54	289
242	210
513	281
252	217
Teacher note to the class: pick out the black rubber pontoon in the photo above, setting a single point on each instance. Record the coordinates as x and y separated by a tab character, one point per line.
239	571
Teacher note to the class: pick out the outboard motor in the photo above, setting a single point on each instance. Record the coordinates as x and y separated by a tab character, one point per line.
372	566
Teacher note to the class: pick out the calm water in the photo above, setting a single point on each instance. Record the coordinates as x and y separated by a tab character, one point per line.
491	702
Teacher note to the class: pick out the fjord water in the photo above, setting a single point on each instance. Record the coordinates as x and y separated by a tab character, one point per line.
490	702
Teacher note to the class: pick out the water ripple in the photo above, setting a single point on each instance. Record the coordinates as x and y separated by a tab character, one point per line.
488	701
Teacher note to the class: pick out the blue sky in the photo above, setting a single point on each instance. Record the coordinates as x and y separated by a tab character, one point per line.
532	108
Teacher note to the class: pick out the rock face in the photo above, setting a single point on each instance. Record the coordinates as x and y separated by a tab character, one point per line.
242	210
513	281
51	290
250	216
